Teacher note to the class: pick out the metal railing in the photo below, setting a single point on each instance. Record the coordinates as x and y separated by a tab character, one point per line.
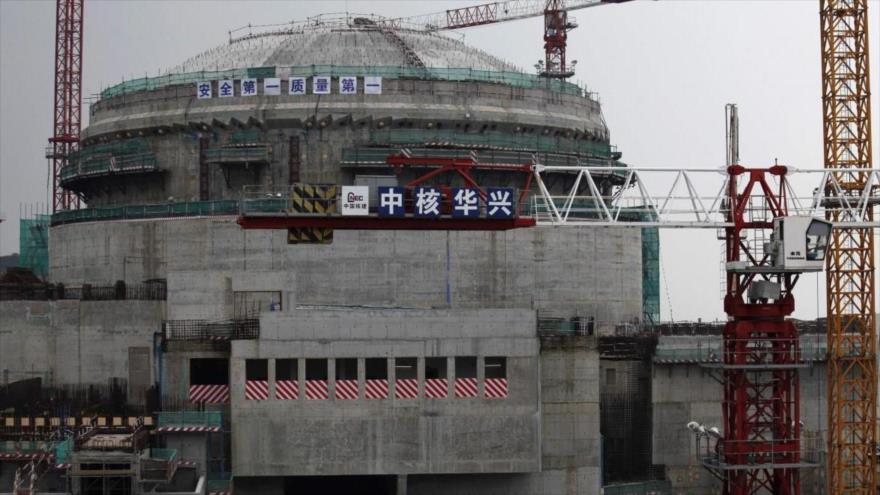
190	418
148	291
136	212
260	153
203	330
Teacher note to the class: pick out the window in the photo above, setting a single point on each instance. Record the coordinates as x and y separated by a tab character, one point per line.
256	386
610	376
495	384
496	367
209	380
817	240
346	369
316	379
286	369
465	377
466	367
376	374
406	383
376	368
435	367
286	379
257	369
209	371
436	384
346	379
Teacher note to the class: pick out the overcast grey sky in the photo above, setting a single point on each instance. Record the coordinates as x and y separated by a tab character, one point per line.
663	70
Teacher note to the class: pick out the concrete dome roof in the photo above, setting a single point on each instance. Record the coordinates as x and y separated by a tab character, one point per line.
349	41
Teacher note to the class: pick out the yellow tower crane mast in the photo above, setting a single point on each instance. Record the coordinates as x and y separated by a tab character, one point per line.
850	274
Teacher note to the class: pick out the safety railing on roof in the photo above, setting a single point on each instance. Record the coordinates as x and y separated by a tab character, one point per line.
158	82
107	165
259	153
376	156
509	78
526	142
133	212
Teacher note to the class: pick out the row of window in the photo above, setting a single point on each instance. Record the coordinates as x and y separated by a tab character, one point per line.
405	381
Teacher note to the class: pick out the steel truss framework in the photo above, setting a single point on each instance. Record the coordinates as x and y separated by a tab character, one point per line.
68	96
850	275
676	198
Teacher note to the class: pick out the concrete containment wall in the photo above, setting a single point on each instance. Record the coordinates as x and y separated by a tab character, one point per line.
390	436
76	342
591	271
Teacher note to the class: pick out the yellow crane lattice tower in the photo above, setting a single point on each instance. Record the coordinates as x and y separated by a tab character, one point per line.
851	293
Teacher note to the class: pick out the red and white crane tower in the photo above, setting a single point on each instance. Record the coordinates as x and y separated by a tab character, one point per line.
68	97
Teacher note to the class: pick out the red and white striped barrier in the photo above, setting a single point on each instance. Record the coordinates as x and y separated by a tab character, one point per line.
465	387
436	388
495	388
376	389
406	388
256	390
346	389
316	390
209	394
286	390
188	429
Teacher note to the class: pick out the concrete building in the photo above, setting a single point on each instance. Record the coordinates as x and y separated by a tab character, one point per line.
381	362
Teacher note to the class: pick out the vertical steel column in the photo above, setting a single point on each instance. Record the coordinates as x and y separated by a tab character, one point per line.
851	290
760	451
68	96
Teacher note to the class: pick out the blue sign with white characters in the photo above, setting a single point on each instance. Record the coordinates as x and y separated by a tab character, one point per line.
426	202
391	201
499	202
465	203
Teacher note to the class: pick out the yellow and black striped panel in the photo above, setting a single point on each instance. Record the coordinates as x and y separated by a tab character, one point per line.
309	235
318	199
315	199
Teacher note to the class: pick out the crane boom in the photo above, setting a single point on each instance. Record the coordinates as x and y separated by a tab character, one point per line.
487	13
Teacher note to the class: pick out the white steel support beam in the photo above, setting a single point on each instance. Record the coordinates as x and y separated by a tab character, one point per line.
685	196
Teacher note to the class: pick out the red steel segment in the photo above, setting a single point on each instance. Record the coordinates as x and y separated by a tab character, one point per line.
68	96
476	15
760	451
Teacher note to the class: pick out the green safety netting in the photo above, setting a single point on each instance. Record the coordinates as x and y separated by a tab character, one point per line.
510	78
33	244
151	83
651	275
185	209
190	418
238	155
494	139
244	136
